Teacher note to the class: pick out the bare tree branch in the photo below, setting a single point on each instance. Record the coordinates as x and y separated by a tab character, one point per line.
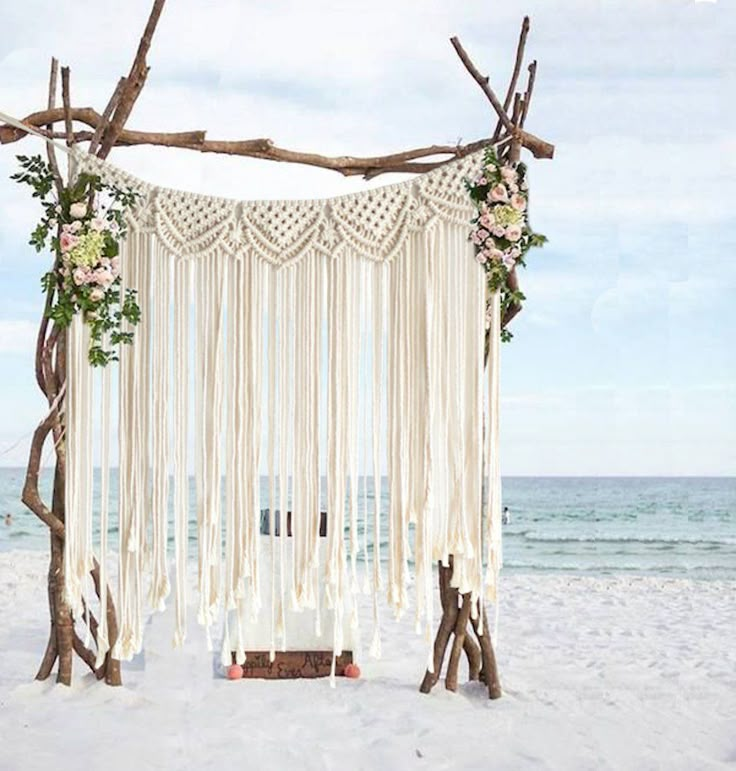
51	153
106	115
520	46
66	100
484	82
133	83
532	69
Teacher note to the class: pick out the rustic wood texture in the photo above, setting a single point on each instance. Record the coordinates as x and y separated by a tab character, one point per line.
460	623
293	665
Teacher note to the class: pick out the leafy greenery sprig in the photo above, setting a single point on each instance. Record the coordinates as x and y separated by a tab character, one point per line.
83	224
501	232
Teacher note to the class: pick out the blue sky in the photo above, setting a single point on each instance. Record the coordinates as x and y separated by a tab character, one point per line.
624	360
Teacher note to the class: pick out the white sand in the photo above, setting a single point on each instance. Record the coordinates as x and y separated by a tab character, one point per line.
599	673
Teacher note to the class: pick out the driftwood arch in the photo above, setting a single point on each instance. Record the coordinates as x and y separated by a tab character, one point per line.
106	130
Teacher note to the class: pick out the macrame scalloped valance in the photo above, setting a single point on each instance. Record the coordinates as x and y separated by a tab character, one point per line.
374	224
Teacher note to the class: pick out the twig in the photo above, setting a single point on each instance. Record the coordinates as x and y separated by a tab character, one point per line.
532	69
51	153
133	83
521	45
484	82
105	118
66	99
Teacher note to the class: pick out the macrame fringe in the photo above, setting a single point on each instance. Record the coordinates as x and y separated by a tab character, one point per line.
349	368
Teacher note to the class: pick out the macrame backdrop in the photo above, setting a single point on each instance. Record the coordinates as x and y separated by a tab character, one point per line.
335	345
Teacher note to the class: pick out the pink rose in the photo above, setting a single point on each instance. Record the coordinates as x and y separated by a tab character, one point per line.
75	227
103	277
481	257
499	193
96	224
79	275
486	220
481	181
518	202
508	174
499	231
67	241
508	261
513	232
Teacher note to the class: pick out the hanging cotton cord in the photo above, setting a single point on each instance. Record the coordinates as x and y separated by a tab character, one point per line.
232	428
273	310
493	466
182	302
366	364
430	357
285	370
103	642
378	273
160	587
78	504
317	281
257	286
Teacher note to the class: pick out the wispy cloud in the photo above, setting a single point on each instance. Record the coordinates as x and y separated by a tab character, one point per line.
628	311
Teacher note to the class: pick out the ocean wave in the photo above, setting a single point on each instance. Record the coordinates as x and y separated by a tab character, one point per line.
542	538
681	570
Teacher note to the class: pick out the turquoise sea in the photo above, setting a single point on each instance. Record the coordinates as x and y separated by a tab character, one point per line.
596	525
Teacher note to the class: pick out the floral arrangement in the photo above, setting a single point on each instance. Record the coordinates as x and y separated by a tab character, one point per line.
501	233
83	224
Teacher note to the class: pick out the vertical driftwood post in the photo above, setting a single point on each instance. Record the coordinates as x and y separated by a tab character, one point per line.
458	623
51	370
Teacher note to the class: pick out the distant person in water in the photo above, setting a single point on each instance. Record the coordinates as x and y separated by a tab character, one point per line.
506	516
8	520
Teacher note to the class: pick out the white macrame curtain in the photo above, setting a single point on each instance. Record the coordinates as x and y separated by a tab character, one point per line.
325	345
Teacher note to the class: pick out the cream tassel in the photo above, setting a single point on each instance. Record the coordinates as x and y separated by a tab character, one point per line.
160	387
182	302
103	643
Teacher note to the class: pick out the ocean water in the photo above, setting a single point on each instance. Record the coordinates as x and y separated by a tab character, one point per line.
642	525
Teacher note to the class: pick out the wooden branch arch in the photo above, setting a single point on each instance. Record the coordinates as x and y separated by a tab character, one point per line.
462	623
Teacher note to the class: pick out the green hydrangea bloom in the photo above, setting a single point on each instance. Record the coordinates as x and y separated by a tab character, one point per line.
89	249
506	215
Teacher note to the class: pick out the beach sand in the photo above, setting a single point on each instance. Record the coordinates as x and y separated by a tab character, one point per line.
598	673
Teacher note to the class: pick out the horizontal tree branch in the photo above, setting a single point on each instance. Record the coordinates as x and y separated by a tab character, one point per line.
348	165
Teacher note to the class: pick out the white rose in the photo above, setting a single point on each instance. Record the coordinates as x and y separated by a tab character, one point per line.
78	210
96	295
